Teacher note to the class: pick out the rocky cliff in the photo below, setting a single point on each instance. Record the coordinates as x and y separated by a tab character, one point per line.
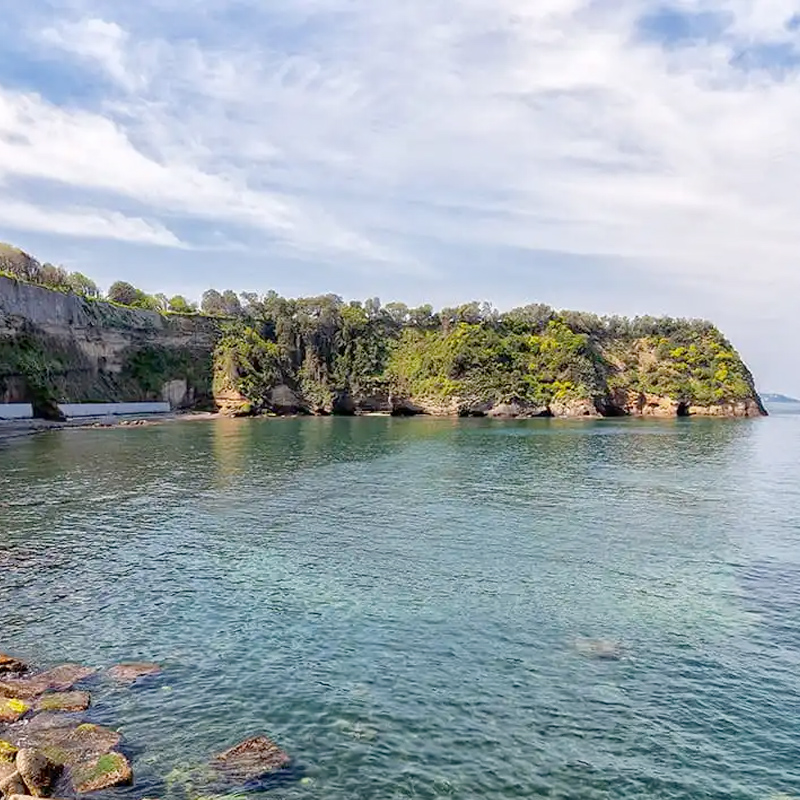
322	356
62	347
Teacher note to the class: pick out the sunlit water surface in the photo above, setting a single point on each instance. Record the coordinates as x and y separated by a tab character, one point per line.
397	602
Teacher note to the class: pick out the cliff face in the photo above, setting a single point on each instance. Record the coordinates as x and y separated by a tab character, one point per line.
62	347
338	360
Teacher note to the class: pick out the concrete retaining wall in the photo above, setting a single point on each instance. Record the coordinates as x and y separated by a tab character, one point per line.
16	411
111	409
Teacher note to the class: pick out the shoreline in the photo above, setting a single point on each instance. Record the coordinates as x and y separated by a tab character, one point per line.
12	430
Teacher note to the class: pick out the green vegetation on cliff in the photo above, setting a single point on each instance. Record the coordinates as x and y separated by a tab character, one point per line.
332	354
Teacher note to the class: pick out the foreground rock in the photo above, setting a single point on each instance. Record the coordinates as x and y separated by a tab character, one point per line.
103	772
251	759
86	752
132	672
13	784
64	701
11	666
59	679
36	770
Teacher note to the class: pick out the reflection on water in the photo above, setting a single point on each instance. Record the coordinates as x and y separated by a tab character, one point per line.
398	602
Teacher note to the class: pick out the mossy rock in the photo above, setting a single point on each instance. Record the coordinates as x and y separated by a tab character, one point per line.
7	751
110	769
12	709
64	701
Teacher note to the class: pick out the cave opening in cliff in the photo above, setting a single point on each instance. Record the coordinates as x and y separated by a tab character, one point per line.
683	409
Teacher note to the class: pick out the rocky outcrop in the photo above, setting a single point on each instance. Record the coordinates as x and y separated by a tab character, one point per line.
64	701
80	350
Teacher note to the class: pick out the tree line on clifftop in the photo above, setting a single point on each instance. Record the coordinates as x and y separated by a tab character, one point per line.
324	347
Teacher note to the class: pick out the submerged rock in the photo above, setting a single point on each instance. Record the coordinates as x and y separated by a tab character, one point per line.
12	709
607	649
64	701
129	673
11	666
110	769
251	759
58	679
36	770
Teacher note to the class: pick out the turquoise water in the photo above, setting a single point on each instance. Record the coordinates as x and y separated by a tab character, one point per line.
397	602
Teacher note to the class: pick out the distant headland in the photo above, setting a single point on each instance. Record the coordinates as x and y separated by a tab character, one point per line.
248	354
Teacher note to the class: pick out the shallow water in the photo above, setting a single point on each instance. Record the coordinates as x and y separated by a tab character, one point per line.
397	602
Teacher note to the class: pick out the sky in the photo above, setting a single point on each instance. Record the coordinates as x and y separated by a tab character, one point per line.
615	156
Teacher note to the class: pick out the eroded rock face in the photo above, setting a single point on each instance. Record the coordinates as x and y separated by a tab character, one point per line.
129	673
36	771
64	701
251	759
102	772
58	679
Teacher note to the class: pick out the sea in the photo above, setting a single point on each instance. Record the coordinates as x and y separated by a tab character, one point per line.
424	608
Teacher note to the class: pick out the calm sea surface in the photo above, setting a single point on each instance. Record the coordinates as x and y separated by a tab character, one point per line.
397	602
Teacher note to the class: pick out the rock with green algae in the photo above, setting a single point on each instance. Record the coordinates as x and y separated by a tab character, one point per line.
133	671
13	709
58	679
64	743
8	752
103	772
64	701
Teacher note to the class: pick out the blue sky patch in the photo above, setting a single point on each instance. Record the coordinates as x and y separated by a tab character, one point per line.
671	27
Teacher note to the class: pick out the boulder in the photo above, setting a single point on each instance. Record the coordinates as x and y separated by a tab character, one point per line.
36	770
13	784
102	772
12	709
11	666
64	701
129	673
68	744
251	759
58	679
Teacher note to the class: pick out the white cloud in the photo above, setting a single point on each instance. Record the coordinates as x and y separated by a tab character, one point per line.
96	41
341	129
85	223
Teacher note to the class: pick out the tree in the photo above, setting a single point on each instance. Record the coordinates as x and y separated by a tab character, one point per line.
18	263
212	302
123	293
233	308
53	276
181	305
80	284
